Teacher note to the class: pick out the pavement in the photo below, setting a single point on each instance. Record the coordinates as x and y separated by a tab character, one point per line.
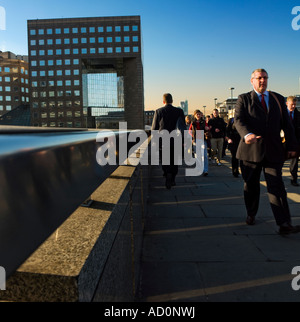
198	248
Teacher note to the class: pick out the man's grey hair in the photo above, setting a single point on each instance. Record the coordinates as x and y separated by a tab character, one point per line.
259	70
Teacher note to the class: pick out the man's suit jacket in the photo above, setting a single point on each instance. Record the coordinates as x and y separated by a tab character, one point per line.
166	118
250	117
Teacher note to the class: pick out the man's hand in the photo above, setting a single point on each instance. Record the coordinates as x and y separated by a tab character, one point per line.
252	138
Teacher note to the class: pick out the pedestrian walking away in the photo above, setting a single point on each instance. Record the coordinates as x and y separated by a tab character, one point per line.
260	115
167	118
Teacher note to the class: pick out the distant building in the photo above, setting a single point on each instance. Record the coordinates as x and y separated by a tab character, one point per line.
149	117
226	108
14	81
185	106
86	72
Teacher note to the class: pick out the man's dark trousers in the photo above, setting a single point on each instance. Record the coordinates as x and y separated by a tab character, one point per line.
251	172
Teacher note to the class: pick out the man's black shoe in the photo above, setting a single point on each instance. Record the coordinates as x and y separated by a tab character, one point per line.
286	229
294	183
250	220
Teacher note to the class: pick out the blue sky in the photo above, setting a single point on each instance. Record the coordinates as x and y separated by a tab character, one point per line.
194	49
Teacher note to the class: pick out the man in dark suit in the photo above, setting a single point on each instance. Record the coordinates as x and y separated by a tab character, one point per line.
295	118
259	117
168	118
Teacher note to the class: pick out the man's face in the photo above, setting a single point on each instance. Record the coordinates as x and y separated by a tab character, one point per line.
215	113
291	105
259	81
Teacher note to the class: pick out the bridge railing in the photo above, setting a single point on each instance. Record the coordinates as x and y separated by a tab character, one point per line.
45	174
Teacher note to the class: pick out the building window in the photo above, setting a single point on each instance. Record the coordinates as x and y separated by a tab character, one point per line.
100	29
117	28
135	49
100	40
49	31
75	51
66	30
135	28
74	30
66	41
57	31
32	32
108	29
49	41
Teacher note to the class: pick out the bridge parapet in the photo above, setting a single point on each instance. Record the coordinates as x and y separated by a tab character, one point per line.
86	252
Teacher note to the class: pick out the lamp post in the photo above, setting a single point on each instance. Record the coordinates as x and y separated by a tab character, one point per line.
204	107
216	102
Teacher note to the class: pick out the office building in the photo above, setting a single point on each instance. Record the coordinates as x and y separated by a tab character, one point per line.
86	72
14	81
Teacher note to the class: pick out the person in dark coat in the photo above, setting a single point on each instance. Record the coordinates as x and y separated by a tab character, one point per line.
260	115
233	143
295	119
167	118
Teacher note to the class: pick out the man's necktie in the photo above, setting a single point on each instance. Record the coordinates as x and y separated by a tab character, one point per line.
263	103
291	116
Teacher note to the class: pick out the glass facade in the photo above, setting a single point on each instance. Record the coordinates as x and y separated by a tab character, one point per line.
103	92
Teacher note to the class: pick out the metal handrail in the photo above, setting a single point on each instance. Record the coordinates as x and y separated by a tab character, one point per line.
45	175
